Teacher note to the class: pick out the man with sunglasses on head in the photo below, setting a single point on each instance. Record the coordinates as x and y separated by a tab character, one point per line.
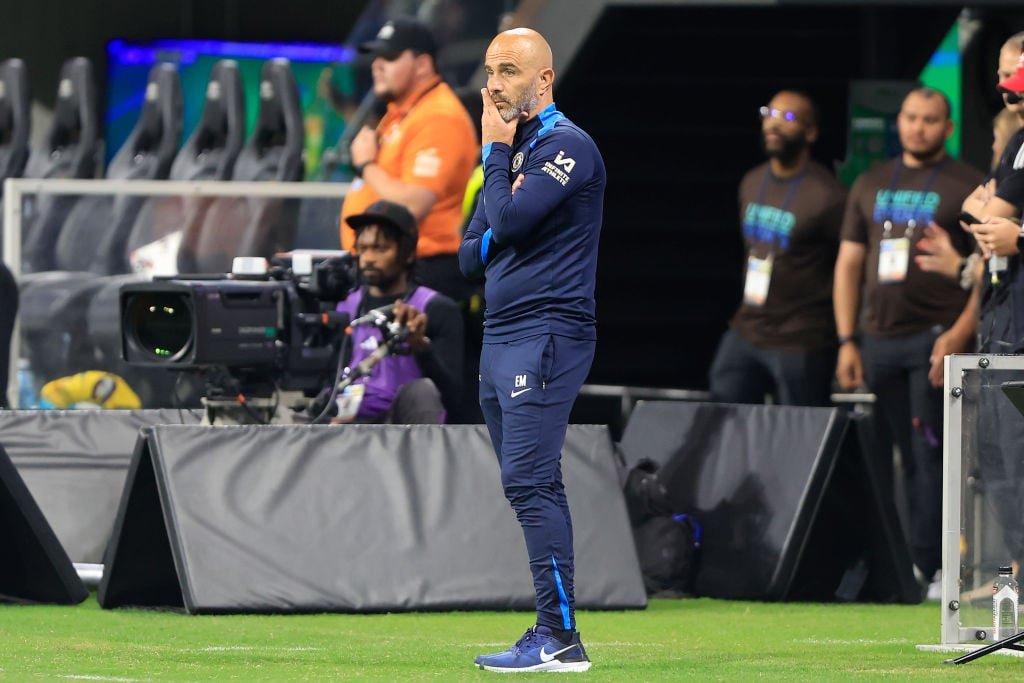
911	315
782	341
421	153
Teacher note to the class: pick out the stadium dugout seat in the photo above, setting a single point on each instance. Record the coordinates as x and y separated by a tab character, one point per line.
70	149
54	303
96	232
15	123
255	226
209	153
213	147
15	118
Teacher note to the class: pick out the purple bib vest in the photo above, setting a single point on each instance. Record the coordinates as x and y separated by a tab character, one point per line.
391	372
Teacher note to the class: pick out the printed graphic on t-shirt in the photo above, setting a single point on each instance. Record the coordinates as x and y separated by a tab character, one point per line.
769	224
901	206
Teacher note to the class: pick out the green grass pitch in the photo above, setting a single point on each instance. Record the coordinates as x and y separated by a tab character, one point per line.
694	639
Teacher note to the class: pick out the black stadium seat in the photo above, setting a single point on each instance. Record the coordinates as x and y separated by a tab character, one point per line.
95	235
70	149
55	303
255	226
209	153
15	123
213	147
15	118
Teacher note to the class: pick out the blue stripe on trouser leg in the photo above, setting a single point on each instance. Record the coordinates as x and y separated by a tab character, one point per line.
563	599
527	389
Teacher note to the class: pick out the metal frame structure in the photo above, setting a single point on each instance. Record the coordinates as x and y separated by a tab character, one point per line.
15	189
955	635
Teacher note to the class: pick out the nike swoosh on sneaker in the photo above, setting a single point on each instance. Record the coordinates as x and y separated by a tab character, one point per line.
521	391
545	657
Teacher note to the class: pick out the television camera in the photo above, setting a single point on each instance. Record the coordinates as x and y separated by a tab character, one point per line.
254	333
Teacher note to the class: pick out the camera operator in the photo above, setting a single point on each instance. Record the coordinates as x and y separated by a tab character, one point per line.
420	383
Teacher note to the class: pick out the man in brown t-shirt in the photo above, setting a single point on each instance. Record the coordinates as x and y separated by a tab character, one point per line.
782	341
908	313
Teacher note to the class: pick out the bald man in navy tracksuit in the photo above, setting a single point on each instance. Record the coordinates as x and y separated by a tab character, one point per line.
534	236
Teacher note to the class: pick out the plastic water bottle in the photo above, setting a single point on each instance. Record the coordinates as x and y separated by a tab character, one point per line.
1005	594
26	385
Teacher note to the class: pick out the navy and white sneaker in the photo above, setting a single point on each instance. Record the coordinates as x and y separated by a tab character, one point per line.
538	650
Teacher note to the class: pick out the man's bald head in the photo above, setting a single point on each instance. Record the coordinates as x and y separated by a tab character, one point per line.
519	72
531	46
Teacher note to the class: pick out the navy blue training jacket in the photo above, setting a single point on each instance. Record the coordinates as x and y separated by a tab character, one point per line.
537	249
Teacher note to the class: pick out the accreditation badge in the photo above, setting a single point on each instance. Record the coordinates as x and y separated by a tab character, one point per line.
759	276
349	401
893	259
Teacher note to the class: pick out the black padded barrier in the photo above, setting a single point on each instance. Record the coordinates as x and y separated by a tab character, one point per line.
355	518
34	566
791	501
74	462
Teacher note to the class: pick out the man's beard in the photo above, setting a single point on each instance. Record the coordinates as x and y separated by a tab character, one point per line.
788	153
383	92
377	278
928	154
526	102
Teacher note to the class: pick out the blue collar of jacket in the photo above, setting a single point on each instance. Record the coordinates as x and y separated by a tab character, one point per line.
540	124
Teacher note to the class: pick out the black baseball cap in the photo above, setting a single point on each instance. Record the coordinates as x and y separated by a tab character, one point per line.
398	35
383	212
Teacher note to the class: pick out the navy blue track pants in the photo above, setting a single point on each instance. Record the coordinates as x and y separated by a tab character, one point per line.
527	390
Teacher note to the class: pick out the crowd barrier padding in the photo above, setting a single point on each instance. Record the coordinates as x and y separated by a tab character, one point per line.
74	463
792	501
33	565
351	518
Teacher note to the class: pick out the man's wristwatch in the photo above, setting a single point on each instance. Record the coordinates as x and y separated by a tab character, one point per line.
357	171
844	339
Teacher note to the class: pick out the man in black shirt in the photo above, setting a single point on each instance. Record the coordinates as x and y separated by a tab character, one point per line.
782	340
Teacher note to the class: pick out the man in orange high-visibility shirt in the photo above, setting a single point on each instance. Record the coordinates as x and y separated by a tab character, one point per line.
420	155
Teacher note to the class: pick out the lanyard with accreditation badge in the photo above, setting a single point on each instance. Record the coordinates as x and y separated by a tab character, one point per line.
759	270
894	252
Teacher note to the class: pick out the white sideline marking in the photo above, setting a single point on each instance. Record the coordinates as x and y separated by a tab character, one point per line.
87	677
239	648
855	641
